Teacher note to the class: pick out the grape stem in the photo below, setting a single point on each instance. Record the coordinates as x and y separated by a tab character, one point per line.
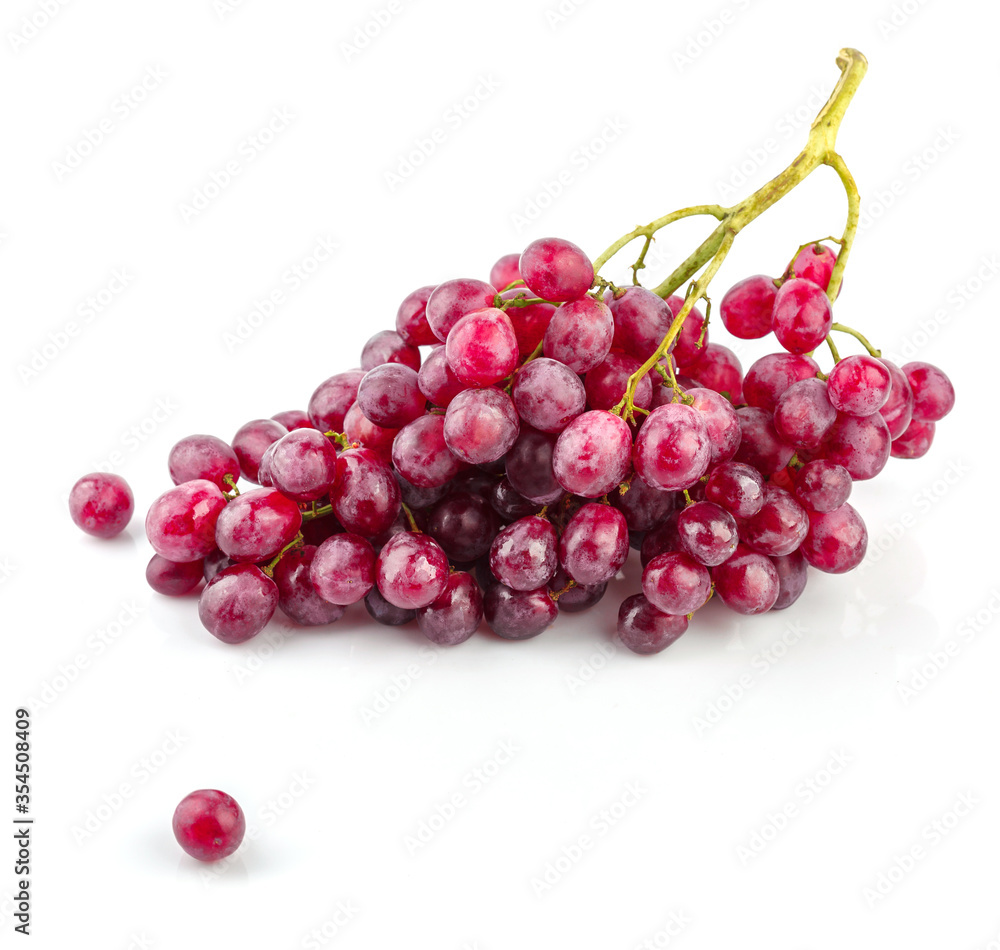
857	336
296	542
820	150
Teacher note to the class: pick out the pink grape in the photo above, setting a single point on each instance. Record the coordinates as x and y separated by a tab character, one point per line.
411	570
529	321
707	533
252	440
411	318
837	540
915	441
760	444
421	455
815	263
389	396
802	315
456	614
387	346
480	425
579	334
303	465
747	307
366	499
358	428
203	456
792	576
330	401
642	320
605	383
453	299
180	524
504	272
342	570
804	414
171	578
771	375
859	385
238	603
256	525
594	544
482	348
591	455
747	582
298	598
720	419
436	379
860	443
933	392
689	346
556	269
518	614
294	419
719	369
898	409
675	583
548	395
673	448
101	504
822	485
780	525
524	554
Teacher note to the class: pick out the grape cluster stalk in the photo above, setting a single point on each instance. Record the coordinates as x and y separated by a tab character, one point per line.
499	453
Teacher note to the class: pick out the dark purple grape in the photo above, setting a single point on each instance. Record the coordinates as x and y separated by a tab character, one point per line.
643	507
575	598
297	596
518	614
510	504
645	630
456	614
529	467
172	578
389	615
792	576
464	525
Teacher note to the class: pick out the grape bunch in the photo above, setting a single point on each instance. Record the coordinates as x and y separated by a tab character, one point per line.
498	454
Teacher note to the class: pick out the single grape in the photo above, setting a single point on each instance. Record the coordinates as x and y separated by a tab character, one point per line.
509	503
303	465
264	478
456	614
933	392
342	569
780	525
860	443
591	455
172	578
530	321
898	409
822	485
421	455
523	555
673	447
480	425
529	467
676	584
837	540
642	320
237	603
330	401
645	630
689	347
771	375
203	456
294	419
605	383
914	442
760	444
792	576
719	369
594	544
214	562
389	396
411	570
572	597
724	431
661	539
555	269
504	272
453	299
518	614
548	395
208	824
366	499
389	615
707	533
359	429
747	582
256	525
482	348
643	507
101	504
437	381
251	441
579	334
180	524
464	525
387	346
804	414
802	315
747	307
737	487
859	385
297	595
411	318
815	262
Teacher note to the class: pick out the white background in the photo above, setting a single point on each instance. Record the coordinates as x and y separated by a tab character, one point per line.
684	95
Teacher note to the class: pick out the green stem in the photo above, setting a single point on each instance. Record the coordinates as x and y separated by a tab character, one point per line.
296	542
820	149
411	519
833	348
857	336
315	512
